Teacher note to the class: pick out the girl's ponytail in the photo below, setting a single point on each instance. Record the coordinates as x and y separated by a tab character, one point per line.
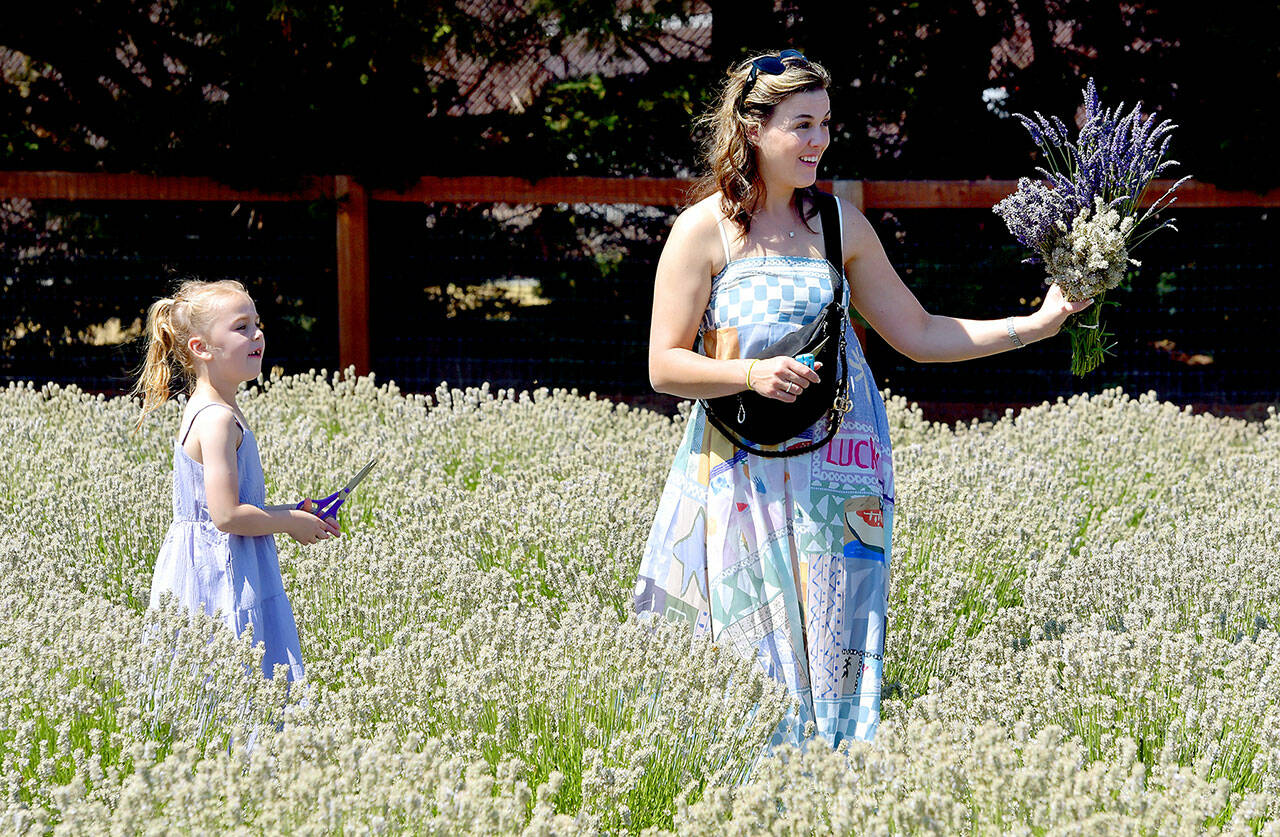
170	324
156	374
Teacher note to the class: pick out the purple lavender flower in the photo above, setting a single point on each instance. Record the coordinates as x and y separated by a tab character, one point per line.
1115	156
1032	214
1081	217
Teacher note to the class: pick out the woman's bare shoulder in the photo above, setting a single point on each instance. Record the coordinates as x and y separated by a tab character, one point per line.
696	233
859	235
700	219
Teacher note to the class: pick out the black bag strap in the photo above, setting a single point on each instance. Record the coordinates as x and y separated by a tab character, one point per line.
833	244
832	237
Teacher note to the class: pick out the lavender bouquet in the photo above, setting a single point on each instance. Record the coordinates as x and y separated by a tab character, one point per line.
1082	219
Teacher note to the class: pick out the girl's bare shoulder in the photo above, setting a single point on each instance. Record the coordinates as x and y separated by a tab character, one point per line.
217	422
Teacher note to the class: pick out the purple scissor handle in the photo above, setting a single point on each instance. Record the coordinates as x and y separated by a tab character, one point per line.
328	507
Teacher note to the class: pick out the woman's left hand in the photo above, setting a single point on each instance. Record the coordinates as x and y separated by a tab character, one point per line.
1055	309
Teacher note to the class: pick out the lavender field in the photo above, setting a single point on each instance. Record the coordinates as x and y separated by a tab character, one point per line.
1082	633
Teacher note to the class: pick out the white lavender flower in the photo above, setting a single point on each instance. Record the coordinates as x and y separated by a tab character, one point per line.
1089	257
1101	659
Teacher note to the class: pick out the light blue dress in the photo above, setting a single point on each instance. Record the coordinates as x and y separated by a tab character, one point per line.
236	575
786	560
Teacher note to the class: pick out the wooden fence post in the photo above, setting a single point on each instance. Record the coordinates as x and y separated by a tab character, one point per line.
850	190
353	274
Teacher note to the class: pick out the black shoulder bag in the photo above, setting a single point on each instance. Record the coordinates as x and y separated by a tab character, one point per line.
748	418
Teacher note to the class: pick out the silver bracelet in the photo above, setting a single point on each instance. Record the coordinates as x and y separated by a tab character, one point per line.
1013	335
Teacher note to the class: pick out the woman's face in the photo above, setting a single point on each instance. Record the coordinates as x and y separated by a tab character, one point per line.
790	144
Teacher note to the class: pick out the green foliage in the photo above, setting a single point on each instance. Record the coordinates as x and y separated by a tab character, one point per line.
262	91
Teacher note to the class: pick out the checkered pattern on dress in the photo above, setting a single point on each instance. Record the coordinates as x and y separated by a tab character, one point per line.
767	290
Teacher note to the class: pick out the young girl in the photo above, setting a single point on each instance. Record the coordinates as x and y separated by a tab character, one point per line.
219	553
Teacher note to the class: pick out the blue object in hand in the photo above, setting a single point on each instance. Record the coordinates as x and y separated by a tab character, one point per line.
806	359
328	506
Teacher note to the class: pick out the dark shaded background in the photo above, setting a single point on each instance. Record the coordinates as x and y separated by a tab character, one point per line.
261	94
1193	327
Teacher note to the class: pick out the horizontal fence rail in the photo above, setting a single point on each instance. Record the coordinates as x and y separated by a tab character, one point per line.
644	191
102	186
353	201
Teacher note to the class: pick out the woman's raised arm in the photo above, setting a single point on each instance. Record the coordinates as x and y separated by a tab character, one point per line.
889	306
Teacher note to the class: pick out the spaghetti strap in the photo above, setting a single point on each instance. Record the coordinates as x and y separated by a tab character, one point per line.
724	239
234	418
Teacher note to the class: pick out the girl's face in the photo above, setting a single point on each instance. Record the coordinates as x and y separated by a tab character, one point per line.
232	348
790	144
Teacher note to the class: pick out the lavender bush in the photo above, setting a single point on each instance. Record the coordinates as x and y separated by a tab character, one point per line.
1094	653
1082	219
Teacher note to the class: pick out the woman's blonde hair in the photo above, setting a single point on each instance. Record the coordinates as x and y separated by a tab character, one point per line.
171	322
728	154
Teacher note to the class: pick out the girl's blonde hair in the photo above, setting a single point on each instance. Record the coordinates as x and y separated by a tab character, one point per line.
170	324
728	154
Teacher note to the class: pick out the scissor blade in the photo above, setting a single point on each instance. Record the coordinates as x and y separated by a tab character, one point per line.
364	472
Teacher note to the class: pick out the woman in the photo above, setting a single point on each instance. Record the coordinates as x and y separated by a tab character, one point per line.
786	559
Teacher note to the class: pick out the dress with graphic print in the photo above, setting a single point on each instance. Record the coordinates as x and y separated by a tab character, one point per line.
786	559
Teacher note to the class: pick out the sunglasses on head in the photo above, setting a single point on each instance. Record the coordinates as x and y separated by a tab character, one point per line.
771	65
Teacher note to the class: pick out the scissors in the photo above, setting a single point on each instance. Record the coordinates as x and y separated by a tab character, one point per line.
328	507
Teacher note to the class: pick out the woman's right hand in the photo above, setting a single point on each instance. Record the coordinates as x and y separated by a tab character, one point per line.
782	378
306	528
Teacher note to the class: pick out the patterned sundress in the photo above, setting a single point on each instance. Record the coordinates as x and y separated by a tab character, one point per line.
784	559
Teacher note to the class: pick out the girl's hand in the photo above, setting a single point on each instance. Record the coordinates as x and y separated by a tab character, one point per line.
782	378
1055	309
306	528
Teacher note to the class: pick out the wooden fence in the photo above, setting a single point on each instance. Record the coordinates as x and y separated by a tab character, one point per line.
352	201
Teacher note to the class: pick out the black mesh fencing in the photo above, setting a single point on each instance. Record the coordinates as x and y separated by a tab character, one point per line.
1194	323
78	278
519	296
559	296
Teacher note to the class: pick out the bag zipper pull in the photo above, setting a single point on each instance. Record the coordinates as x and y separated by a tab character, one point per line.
742	411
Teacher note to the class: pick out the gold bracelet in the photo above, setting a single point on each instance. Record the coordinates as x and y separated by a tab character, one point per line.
751	366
